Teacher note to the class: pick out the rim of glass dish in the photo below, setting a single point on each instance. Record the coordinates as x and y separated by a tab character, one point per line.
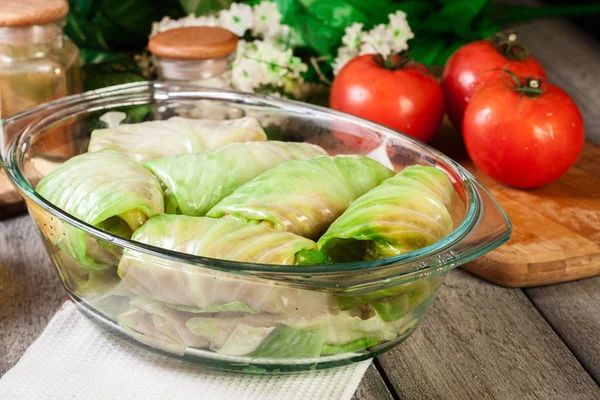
470	221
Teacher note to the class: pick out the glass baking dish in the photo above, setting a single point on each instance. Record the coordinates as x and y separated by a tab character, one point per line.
308	317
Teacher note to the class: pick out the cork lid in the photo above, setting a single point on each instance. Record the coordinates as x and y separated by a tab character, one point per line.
31	12
193	43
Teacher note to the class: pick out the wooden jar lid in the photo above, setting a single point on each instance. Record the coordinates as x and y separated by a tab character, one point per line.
31	12
193	43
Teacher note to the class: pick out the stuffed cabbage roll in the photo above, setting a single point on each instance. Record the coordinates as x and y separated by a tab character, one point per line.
105	189
196	182
159	326
305	196
263	335
206	289
404	213
158	139
285	336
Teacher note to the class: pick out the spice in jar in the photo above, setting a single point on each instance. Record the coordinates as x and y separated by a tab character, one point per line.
37	64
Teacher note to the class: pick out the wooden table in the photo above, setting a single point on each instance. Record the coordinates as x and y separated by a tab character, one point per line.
477	341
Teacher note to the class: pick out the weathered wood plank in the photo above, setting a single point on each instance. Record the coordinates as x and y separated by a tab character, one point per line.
481	341
30	290
572	60
372	387
573	310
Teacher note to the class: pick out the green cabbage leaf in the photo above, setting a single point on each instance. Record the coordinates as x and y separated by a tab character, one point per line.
405	213
303	196
189	285
196	182
151	140
105	189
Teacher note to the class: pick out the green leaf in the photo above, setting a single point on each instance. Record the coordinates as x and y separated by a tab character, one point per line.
115	35
311	257
286	342
447	51
371	6
82	7
337	14
360	344
83	33
288	9
136	114
201	7
105	80
109	73
322	38
307	3
416	12
116	24
413	290
426	48
483	26
94	56
456	17
121	65
392	309
136	16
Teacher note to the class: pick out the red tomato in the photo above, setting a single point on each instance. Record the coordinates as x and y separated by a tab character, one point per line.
406	99
475	64
519	140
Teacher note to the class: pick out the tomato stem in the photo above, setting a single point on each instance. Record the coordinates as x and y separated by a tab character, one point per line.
506	43
393	62
527	86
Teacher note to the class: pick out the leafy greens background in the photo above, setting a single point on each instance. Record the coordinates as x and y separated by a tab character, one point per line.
108	31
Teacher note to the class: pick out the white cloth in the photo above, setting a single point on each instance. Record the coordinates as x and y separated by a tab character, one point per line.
74	359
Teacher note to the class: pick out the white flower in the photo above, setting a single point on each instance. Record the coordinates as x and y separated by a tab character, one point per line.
280	36
353	35
377	40
238	19
345	54
261	64
167	23
400	32
266	18
397	19
246	75
164	25
207	20
382	39
278	63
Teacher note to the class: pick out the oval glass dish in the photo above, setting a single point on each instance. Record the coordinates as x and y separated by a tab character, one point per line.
254	318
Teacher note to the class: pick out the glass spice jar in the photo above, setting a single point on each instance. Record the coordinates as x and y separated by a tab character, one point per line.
37	64
197	54
201	55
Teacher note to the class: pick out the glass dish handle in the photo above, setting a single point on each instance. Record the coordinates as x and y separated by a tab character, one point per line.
493	228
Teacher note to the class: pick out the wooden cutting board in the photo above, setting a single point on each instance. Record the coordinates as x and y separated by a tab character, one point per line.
556	229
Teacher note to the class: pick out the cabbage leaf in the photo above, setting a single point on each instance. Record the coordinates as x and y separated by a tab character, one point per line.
189	285
404	213
295	336
303	196
159	326
158	139
105	189
196	182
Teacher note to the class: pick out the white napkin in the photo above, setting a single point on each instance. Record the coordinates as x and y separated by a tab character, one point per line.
74	359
